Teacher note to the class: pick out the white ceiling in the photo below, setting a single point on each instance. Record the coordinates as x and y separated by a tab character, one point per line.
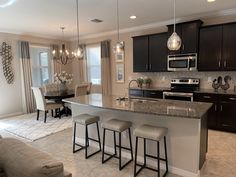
44	17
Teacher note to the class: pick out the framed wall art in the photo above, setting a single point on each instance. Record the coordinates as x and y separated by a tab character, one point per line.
120	73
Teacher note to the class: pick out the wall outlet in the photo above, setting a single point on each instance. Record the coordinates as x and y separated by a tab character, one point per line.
209	80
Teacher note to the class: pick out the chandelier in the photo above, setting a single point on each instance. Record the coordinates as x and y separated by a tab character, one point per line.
119	47
174	42
63	56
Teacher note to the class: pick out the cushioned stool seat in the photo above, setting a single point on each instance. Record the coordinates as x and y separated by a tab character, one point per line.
116	125
85	119
151	132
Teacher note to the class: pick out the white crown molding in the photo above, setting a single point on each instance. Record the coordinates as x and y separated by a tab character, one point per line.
227	12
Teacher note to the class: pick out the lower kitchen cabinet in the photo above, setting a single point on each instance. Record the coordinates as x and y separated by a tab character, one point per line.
222	115
213	112
153	94
227	113
136	92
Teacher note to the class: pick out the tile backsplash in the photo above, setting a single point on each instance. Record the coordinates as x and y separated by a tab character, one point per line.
162	79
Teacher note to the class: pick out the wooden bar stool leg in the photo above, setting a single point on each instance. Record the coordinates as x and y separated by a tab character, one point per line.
74	137
114	134
131	148
135	156
99	140
120	150
158	159
166	154
86	141
103	145
144	156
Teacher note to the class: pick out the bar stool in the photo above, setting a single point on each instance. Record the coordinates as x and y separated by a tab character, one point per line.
86	120
118	126
148	132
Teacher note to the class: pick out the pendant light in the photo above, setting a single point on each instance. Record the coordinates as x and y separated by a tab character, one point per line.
63	57
79	53
119	47
174	41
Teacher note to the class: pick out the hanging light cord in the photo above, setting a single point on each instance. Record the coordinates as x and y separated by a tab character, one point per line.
77	16
118	20
174	15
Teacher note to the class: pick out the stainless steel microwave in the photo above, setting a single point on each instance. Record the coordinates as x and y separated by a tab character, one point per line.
185	62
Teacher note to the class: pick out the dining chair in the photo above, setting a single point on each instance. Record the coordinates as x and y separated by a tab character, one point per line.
50	87
81	89
89	84
42	105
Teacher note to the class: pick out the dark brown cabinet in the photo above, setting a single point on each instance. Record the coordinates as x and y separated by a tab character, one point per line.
229	52
227	113
158	52
153	94
140	54
221	116
189	34
216	48
150	53
210	48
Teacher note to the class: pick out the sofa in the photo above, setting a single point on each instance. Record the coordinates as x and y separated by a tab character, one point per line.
17	159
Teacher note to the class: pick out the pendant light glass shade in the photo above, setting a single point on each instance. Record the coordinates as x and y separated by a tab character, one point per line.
79	52
119	48
174	42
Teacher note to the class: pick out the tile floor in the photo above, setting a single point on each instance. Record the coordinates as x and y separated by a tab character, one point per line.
221	158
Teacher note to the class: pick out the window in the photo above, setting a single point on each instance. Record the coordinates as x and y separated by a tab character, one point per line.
41	66
94	63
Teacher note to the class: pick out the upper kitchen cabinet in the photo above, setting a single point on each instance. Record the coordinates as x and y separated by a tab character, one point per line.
217	51
229	52
140	54
158	52
150	53
189	34
210	48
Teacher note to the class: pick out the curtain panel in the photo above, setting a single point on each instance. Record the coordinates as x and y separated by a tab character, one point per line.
106	68
27	76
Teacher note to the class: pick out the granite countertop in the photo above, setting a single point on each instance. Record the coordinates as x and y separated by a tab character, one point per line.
151	88
170	108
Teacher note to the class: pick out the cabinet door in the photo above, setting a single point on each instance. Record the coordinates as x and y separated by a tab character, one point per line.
136	92
227	120
229	52
158	52
212	121
153	94
140	54
190	37
210	49
170	32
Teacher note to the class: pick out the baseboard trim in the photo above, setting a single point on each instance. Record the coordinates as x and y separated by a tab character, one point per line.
11	115
172	169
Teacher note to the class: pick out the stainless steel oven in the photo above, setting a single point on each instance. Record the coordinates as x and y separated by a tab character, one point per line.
185	62
182	89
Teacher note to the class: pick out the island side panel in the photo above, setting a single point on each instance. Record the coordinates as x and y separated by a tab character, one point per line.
182	141
203	140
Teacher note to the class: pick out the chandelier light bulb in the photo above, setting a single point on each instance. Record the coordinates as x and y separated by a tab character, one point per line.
54	52
174	42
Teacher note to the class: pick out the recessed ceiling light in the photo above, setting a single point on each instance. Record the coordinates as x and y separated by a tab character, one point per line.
211	0
132	17
5	3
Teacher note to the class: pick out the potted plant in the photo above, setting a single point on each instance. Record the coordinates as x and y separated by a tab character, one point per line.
148	82
140	82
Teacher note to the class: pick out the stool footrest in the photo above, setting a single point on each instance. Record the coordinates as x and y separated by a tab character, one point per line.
81	147
154	157
122	147
93	140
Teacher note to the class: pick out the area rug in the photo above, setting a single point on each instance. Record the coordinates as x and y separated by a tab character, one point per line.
26	126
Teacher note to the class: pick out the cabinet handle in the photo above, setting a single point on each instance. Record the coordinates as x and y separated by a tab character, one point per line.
233	99
221	108
219	64
150	66
206	97
152	93
183	46
225	63
146	66
215	107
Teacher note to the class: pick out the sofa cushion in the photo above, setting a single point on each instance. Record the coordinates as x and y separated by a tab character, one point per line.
21	160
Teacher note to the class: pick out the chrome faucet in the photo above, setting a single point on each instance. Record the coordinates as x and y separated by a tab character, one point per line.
129	87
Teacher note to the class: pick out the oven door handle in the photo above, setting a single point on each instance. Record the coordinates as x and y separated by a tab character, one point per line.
177	94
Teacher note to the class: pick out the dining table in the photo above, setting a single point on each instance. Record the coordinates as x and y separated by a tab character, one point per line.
58	96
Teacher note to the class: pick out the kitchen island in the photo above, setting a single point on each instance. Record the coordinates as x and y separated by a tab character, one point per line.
186	123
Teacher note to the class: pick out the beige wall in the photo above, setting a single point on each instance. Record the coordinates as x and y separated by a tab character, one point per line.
161	79
11	99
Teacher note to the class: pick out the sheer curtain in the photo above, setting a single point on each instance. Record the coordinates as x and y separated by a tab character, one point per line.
105	67
27	76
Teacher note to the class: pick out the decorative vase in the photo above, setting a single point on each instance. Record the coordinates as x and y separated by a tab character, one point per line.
63	87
